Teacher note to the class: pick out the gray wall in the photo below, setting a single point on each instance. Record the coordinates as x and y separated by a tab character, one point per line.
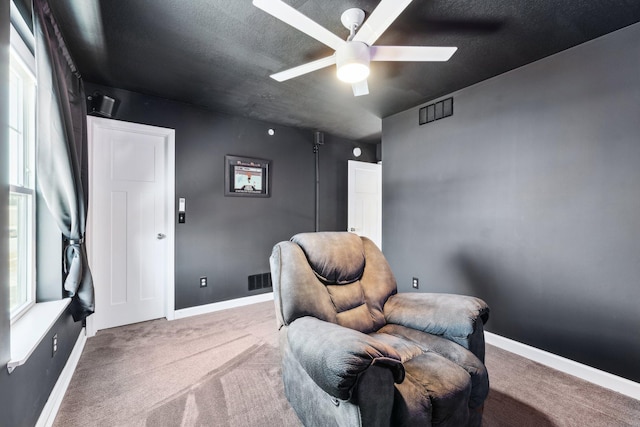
230	238
529	197
24	392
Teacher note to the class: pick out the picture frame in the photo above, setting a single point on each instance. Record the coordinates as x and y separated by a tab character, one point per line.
247	177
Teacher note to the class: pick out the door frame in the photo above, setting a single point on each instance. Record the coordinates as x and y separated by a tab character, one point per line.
170	175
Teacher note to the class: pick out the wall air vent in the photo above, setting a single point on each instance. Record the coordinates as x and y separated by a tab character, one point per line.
437	111
260	281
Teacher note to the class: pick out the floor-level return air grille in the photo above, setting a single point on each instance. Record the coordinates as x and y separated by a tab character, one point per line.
260	281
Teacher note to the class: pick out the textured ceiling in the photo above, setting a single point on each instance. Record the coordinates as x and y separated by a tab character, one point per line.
219	54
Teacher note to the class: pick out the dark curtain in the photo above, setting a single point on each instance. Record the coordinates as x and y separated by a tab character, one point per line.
62	153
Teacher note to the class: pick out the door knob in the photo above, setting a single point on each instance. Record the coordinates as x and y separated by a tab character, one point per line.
352	229
161	236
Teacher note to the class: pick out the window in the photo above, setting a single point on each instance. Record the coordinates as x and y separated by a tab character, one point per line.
22	97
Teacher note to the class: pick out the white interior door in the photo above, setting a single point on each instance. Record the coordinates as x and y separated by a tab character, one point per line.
130	222
365	200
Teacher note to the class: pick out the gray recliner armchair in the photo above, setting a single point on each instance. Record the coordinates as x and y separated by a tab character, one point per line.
357	353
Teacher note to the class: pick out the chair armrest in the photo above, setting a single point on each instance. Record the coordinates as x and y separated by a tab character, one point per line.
335	356
454	317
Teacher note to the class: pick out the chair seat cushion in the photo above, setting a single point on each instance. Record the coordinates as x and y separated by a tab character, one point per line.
443	379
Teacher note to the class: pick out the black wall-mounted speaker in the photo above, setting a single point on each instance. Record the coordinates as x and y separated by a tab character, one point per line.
101	105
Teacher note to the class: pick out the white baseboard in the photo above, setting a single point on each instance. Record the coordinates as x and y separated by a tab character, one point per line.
223	305
50	410
571	367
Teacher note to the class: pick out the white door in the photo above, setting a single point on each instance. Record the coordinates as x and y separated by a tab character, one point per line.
130	233
365	200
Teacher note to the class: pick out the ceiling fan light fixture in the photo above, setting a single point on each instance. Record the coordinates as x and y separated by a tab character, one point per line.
353	72
352	61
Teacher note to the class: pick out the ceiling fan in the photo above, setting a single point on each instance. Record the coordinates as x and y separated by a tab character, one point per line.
352	56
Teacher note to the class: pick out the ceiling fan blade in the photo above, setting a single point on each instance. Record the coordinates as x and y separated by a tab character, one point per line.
360	88
411	53
380	19
304	68
300	22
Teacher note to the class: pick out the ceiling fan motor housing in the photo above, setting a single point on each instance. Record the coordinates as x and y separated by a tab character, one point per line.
352	62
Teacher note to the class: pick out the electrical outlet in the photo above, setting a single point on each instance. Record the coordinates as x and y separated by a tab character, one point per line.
54	347
203	282
414	283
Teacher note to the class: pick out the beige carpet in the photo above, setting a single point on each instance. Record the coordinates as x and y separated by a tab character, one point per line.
212	370
222	369
524	393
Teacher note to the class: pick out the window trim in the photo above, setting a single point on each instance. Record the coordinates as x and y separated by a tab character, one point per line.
21	52
31	329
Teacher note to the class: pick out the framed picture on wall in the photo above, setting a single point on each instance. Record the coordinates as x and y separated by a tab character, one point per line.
247	177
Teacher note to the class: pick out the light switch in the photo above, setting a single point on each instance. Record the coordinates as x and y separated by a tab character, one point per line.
181	210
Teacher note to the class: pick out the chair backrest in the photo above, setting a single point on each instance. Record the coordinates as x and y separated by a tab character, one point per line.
337	277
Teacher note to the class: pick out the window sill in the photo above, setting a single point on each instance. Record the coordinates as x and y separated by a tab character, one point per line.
30	329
